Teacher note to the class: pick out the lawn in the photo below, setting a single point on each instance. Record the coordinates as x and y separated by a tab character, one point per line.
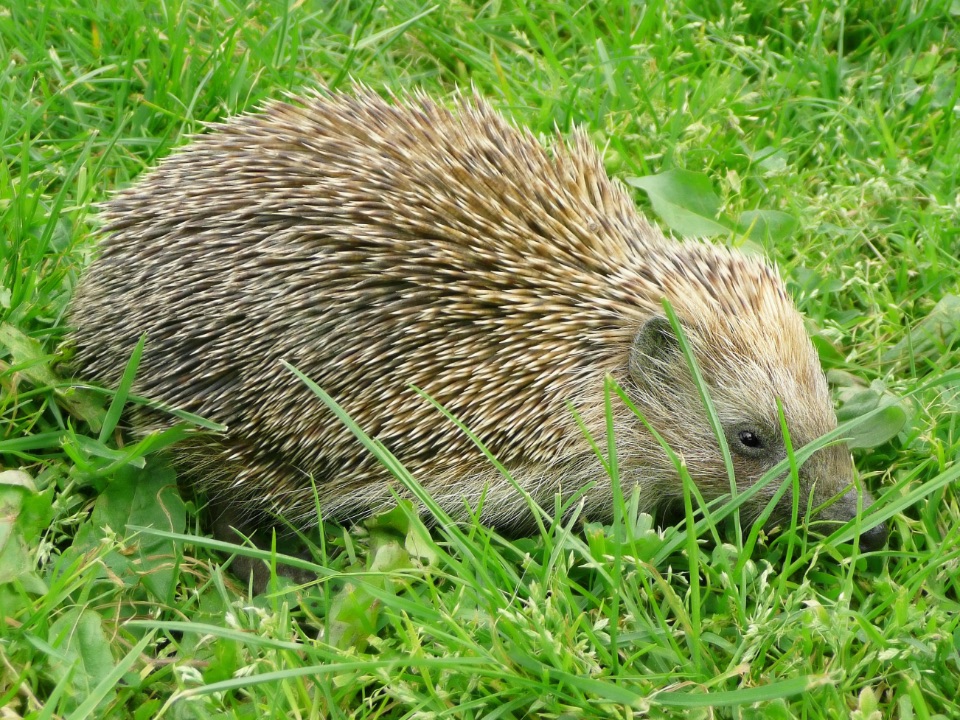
824	134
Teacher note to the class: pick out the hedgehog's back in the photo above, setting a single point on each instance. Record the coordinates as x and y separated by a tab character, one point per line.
374	246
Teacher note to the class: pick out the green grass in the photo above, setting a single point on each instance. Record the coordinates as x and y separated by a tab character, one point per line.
843	116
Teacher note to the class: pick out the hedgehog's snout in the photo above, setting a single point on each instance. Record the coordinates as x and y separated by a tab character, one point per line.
874	538
845	509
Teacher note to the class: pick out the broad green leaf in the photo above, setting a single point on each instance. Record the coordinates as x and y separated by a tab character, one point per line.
24	515
82	651
770	225
145	498
932	335
685	202
14	555
857	399
34	365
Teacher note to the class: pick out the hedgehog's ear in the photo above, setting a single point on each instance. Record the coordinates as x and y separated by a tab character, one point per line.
654	347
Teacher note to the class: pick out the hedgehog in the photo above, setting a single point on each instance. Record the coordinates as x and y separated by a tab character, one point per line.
383	245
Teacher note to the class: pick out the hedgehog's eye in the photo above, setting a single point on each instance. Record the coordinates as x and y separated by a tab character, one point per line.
750	439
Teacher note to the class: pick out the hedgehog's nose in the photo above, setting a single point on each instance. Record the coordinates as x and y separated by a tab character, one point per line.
874	538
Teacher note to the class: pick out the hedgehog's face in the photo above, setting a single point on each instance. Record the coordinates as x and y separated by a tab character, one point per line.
747	391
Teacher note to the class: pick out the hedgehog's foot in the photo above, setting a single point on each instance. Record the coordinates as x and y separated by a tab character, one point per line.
230	526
